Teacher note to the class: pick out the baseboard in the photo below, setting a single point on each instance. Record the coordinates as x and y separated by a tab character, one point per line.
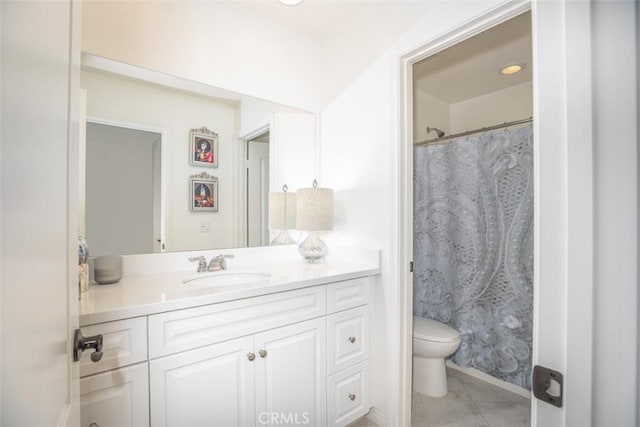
472	372
377	417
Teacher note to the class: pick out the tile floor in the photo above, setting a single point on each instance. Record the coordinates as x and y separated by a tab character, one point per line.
470	403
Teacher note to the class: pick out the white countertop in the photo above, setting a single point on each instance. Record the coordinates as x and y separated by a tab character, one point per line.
143	294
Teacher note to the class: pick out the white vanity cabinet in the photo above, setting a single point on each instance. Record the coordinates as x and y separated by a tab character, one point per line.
115	390
297	357
244	382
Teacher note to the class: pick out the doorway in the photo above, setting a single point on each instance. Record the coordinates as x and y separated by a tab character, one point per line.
473	220
123	190
257	150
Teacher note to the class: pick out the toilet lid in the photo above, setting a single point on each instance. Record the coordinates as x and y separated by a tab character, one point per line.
432	330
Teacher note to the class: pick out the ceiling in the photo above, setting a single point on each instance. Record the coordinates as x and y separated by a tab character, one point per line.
313	19
471	68
463	71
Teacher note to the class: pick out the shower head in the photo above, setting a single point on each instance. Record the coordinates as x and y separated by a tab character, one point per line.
436	130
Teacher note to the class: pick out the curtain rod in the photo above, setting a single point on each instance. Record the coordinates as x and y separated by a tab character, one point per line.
470	132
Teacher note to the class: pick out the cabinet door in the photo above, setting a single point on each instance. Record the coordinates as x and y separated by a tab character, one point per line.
291	375
210	386
118	398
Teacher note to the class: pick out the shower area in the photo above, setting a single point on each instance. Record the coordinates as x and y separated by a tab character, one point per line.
473	198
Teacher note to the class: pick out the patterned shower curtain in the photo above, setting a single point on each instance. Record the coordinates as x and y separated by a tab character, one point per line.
473	247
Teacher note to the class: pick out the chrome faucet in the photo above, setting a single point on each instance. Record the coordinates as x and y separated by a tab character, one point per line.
202	263
218	263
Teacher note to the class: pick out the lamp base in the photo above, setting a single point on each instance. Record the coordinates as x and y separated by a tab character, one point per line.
313	249
283	238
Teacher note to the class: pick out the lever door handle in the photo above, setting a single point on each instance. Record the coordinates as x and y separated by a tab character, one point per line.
82	343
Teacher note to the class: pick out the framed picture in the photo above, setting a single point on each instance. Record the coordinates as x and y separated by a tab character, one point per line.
204	148
203	193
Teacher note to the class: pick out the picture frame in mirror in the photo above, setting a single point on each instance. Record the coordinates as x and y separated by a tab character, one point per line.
203	192
203	148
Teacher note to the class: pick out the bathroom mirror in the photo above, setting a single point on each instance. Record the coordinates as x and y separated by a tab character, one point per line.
140	161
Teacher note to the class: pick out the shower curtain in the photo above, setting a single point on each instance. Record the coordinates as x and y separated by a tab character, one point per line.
473	247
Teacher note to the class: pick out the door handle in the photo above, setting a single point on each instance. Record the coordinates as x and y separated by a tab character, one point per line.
82	343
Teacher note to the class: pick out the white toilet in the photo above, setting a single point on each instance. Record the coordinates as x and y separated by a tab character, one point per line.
432	342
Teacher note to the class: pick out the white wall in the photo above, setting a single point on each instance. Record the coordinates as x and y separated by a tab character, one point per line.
175	114
349	49
505	105
292	156
429	111
213	42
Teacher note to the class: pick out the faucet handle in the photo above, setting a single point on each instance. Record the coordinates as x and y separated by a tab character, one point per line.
202	262
218	262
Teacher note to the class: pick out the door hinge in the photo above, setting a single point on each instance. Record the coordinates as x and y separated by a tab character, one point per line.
548	385
410	266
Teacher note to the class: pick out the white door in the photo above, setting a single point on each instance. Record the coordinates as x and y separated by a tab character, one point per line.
118	156
39	299
291	375
118	398
210	386
257	193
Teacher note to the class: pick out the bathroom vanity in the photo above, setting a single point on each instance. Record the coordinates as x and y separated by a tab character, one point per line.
279	342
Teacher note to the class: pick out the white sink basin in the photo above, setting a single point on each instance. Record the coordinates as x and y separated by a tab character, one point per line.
226	279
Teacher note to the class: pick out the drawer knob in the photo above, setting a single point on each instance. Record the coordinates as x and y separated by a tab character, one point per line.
94	425
352	339
262	353
251	356
352	396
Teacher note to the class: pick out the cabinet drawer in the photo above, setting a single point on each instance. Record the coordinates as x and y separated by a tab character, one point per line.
116	398
124	343
182	330
348	338
348	395
347	294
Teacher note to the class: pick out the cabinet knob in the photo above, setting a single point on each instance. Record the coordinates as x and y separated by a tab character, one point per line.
94	425
352	396
251	356
352	339
262	353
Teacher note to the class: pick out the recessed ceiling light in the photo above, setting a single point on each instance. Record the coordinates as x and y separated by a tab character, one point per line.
290	2
512	69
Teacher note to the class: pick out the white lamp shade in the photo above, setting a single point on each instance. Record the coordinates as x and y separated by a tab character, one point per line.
282	211
315	209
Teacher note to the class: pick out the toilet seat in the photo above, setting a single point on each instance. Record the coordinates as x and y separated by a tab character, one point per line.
432	330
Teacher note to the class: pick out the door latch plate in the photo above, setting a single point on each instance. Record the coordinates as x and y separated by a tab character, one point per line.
548	385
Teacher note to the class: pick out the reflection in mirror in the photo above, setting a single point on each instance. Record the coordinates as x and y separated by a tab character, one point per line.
258	189
123	195
261	146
